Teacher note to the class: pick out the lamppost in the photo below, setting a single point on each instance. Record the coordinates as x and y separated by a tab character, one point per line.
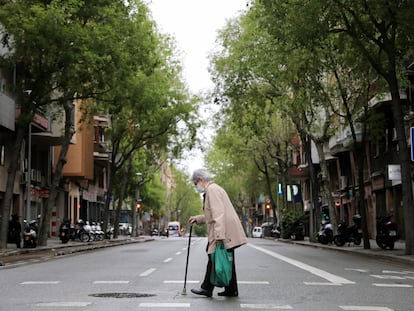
137	208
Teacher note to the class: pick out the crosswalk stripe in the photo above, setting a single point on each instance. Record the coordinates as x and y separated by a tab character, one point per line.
322	283
63	304
179	282
254	282
164	305
110	282
392	285
263	306
365	308
39	282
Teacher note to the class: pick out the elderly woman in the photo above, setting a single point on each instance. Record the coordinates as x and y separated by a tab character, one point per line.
223	226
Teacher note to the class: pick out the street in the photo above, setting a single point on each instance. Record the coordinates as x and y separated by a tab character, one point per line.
149	276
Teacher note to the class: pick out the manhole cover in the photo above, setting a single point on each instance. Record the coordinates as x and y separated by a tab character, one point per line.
121	295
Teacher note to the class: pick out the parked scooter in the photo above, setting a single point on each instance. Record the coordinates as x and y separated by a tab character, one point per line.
325	234
30	234
386	232
65	231
81	233
349	234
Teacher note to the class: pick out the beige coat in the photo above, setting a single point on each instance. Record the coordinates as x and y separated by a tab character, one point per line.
222	221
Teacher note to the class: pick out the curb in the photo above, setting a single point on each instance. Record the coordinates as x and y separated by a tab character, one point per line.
74	247
372	253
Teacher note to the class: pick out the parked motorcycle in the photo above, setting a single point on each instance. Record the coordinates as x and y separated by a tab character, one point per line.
349	234
80	231
386	232
325	234
30	234
65	231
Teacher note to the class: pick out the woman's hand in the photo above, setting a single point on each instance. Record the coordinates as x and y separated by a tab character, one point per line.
192	220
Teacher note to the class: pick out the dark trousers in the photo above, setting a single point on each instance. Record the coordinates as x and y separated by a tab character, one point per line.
232	288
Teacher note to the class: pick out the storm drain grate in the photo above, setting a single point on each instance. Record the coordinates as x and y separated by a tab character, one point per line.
122	295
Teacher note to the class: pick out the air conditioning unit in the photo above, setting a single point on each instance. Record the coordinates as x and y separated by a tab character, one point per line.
343	182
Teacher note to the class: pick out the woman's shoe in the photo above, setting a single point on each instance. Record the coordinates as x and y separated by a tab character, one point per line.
228	294
202	292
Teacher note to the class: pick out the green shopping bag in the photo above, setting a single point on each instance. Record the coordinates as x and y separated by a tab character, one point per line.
222	266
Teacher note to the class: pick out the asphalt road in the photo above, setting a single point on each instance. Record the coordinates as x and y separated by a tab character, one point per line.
149	276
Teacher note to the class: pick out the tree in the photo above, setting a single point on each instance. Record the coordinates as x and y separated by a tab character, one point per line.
383	33
54	48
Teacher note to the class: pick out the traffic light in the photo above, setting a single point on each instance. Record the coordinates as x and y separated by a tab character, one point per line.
139	205
267	206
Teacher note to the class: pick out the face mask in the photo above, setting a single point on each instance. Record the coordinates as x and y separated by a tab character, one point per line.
199	188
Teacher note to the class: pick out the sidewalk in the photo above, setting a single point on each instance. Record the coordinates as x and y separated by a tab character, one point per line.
395	255
55	244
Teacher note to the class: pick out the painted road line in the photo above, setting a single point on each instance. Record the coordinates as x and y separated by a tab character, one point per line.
164	305
263	306
168	259
147	272
254	282
397	272
365	308
322	283
392	285
39	282
178	253
318	272
180	282
357	270
388	277
110	282
63	304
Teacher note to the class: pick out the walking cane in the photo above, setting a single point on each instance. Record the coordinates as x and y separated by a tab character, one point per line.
186	264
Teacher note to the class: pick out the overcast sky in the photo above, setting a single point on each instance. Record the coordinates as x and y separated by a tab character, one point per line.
194	25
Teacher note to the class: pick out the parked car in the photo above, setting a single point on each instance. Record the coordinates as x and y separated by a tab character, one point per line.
257	232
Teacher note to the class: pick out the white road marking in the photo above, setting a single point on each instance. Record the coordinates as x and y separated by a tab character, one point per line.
164	305
388	277
263	306
254	282
322	283
110	282
321	273
39	282
168	259
147	272
178	253
63	304
397	272
365	308
392	285
180	282
357	270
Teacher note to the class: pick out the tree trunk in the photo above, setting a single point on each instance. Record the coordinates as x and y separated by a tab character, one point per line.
404	157
11	177
51	201
325	185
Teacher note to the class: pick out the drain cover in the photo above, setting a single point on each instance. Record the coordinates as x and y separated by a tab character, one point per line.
121	295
